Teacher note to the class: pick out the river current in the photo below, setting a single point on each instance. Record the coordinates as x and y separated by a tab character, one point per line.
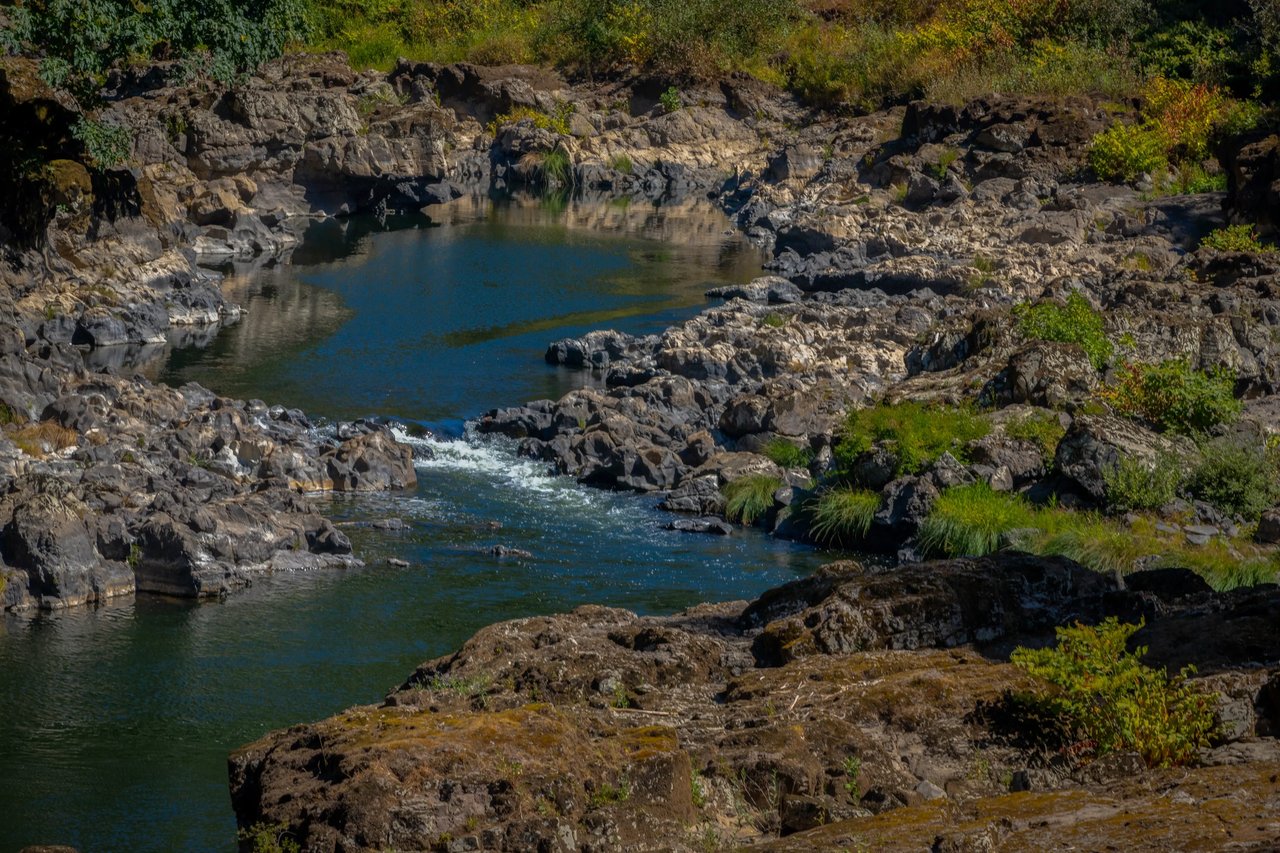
117	720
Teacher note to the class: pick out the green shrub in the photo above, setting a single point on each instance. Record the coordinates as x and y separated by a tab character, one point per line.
1074	323
915	434
1125	151
1042	428
972	521
1175	397
556	168
1234	238
1135	484
1112	701
842	516
1237	477
80	40
749	498
105	145
671	100
269	838
787	454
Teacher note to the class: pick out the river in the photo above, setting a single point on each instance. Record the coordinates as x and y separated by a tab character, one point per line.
117	720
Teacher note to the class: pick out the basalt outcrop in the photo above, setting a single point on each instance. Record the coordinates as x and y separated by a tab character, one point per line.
845	706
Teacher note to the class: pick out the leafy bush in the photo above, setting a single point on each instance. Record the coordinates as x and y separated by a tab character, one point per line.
1112	701
915	434
749	498
842	516
671	100
1125	151
556	123
1175	397
1042	428
1234	238
1075	323
1237	477
105	145
787	454
972	521
1135	484
80	40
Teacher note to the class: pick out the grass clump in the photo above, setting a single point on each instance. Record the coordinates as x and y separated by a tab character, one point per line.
917	435
842	515
1140	485
1175	397
1075	322
1234	238
1108	700
41	439
1041	428
749	498
622	164
787	454
1237	477
972	521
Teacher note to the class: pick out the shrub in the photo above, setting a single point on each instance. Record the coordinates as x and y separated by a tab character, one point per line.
749	498
787	454
1042	428
1136	484
265	837
916	434
1074	323
1175	397
842	515
80	40
1112	701
1236	477
1125	151
105	145
671	100
1233	238
973	521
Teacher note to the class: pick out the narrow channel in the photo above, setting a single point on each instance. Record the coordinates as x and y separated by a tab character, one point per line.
118	719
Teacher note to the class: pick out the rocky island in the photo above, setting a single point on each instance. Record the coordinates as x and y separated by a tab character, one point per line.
1016	345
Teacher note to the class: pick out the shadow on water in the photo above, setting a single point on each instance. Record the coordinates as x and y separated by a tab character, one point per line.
118	720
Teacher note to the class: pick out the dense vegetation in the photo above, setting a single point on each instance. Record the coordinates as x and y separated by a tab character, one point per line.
1104	699
838	53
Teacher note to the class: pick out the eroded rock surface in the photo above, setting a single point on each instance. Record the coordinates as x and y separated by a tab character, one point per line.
601	730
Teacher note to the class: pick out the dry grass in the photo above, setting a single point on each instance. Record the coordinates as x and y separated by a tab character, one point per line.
39	440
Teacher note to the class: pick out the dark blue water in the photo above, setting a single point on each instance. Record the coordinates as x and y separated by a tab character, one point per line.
117	721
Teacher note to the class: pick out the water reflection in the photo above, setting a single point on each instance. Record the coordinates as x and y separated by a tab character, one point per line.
476	291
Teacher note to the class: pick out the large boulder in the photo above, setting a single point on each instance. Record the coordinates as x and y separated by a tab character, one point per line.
1095	444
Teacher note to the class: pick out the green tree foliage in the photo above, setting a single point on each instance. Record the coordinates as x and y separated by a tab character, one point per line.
80	40
1111	701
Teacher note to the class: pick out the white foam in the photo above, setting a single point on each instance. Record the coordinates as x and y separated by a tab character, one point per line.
496	461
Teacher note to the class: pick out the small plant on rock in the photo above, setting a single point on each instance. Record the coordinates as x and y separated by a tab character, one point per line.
269	838
1125	151
1234	238
671	100
787	454
1042	428
1111	701
749	498
1076	322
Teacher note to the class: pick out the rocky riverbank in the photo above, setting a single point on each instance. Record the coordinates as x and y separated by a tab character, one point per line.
846	710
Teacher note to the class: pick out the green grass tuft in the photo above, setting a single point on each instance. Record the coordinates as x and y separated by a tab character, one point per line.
972	521
787	454
1041	428
916	434
842	516
750	497
1074	323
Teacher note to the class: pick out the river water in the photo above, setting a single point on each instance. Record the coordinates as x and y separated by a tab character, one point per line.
117	720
